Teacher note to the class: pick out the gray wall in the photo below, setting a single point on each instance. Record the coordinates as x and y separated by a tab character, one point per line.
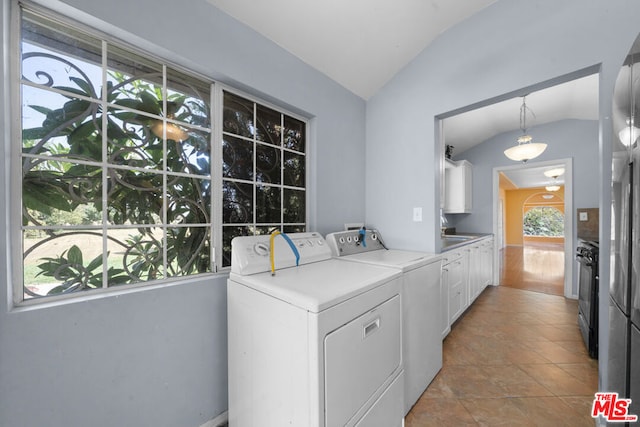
508	46
157	357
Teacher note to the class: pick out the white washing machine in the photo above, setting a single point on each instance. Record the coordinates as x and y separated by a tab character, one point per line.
422	332
318	343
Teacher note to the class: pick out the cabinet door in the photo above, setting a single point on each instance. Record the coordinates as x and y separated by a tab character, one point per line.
444	302
457	289
454	190
458	188
468	186
487	264
475	272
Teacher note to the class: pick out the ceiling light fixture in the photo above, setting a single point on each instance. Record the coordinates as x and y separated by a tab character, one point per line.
525	150
554	173
547	196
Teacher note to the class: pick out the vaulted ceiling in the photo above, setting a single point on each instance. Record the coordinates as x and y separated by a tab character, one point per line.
362	44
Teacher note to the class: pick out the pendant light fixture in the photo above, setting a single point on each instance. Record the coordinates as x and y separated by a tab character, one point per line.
525	150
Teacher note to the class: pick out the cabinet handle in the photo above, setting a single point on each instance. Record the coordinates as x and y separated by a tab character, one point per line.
445	270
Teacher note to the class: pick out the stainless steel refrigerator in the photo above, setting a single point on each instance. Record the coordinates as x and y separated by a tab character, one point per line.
624	296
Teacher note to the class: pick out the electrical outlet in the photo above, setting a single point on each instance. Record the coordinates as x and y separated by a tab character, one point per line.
417	214
584	216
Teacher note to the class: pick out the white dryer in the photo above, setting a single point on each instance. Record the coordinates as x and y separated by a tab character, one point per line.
422	332
318	343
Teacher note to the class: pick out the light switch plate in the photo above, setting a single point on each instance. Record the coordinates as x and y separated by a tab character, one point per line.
417	214
584	216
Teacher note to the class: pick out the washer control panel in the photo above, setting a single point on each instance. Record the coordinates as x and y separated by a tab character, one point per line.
251	254
352	242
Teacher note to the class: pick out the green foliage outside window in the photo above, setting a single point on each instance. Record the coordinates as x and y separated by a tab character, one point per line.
109	197
543	221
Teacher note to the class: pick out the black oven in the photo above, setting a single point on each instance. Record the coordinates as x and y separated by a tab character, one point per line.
587	257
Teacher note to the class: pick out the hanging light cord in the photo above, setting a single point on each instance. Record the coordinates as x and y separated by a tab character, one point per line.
523	114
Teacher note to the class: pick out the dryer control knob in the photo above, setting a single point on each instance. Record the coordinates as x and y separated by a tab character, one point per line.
261	249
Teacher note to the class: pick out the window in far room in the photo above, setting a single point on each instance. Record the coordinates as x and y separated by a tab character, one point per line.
543	221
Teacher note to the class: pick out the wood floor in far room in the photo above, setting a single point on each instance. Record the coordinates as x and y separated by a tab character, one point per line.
534	267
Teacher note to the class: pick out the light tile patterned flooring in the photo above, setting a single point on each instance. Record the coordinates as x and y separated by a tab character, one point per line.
515	358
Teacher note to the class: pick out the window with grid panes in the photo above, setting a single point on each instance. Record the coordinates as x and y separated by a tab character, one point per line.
115	163
263	170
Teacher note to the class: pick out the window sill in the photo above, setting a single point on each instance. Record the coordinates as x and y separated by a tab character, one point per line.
115	292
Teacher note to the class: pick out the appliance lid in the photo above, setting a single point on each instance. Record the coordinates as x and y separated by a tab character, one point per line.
404	260
317	286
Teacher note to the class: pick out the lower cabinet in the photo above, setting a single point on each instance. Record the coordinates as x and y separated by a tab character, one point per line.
480	267
454	266
466	272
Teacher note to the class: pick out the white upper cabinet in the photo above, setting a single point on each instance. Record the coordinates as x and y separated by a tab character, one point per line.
458	178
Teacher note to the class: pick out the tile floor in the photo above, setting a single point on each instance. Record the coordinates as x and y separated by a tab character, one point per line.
515	358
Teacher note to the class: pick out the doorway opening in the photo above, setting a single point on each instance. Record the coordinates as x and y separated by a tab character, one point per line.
533	231
537	264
